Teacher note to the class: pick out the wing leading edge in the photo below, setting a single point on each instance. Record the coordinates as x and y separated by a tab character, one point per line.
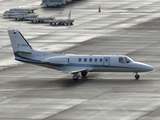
72	70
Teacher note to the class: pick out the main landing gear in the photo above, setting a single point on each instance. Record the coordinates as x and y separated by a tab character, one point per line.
76	75
84	73
137	76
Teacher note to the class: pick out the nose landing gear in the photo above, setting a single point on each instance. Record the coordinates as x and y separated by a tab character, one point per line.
137	76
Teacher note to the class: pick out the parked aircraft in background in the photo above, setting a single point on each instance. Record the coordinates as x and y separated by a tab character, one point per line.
74	64
67	21
11	15
40	19
24	17
18	11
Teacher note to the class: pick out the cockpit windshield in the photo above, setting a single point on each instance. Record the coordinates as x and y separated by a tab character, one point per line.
124	60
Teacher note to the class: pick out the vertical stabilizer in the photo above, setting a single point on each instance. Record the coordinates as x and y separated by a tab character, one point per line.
19	43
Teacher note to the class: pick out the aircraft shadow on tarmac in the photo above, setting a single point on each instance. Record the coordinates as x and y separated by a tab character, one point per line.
86	81
89	82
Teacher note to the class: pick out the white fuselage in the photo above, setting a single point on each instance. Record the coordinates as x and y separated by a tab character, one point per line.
75	64
94	63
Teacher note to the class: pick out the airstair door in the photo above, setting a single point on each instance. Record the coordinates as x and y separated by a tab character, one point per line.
106	61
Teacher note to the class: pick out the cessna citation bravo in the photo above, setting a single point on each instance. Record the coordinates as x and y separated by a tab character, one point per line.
74	64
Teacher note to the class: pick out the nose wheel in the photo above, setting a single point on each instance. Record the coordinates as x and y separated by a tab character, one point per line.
137	76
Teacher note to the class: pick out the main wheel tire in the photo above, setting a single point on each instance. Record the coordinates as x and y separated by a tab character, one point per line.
137	76
75	78
84	73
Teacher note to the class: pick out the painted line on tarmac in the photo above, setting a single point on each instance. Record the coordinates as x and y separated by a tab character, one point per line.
4	76
85	87
56	88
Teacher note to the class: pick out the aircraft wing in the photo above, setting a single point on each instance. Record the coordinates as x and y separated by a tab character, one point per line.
30	19
53	21
72	70
14	16
50	21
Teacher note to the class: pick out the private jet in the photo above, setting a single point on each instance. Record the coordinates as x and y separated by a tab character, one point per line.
74	64
67	21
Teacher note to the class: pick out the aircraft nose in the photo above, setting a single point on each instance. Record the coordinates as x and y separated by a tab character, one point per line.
149	68
146	67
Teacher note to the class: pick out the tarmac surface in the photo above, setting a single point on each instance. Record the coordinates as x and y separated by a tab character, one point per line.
129	27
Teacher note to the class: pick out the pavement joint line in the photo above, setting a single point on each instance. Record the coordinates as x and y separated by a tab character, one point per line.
24	76
136	85
87	87
52	77
56	88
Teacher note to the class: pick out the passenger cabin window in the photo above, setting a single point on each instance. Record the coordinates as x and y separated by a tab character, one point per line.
79	59
100	60
95	60
124	60
90	60
85	59
106	60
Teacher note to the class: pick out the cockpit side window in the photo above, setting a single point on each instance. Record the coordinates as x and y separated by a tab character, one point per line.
127	60
121	60
124	60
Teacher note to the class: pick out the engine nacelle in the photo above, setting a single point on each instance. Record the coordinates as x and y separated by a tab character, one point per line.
57	60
